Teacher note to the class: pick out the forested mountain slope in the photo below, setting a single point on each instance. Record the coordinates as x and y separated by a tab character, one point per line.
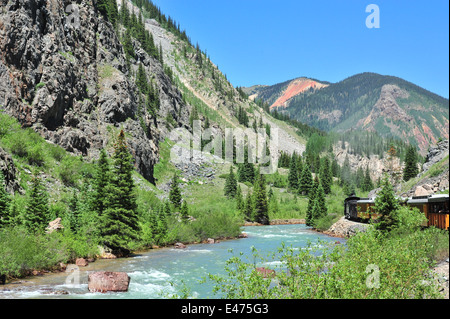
388	105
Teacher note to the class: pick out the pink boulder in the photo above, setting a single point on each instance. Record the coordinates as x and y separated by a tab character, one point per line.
265	272
81	262
106	281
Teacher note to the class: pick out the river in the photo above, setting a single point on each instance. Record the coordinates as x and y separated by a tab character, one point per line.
159	273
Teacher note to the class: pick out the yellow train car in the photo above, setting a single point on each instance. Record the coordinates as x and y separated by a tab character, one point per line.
434	207
366	209
438	211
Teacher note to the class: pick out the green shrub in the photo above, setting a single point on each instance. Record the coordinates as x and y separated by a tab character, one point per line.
21	252
71	170
325	222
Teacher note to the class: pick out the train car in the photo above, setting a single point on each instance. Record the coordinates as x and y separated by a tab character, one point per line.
435	208
437	211
366	209
350	207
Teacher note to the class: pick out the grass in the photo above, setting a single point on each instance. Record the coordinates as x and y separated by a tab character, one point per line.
106	71
164	169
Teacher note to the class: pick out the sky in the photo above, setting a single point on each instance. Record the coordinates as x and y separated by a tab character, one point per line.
268	42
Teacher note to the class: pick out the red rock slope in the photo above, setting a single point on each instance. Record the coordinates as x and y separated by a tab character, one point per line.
295	88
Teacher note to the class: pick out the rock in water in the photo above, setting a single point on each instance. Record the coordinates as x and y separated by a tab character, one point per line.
105	281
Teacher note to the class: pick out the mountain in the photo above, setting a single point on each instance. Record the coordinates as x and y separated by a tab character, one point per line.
387	105
73	82
79	76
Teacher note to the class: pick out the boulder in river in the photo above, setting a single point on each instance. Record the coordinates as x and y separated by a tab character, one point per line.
265	272
106	281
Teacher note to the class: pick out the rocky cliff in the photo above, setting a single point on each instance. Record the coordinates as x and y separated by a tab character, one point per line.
435	175
63	72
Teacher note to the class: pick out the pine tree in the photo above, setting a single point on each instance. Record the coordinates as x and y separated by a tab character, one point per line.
184	212
386	205
88	219
175	192
161	226
239	199
335	169
411	170
141	80
320	208
128	45
246	170
108	8
305	180
325	175
5	200
248	207
293	175
167	209
346	173
120	219
368	184
73	214
359	177
101	184
261	209
36	215
124	14
311	201
230	184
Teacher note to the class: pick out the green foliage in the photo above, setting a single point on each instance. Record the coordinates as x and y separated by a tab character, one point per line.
261	208
230	184
306	180
5	200
184	211
246	170
120	221
101	184
309	220
22	252
411	170
386	204
36	215
108	8
175	192
293	179
367	183
319	209
325	175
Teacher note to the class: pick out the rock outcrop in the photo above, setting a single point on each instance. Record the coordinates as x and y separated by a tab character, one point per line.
435	154
438	180
377	166
68	78
54	225
345	228
9	172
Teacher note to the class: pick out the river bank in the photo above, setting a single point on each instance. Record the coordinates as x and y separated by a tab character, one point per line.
153	271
